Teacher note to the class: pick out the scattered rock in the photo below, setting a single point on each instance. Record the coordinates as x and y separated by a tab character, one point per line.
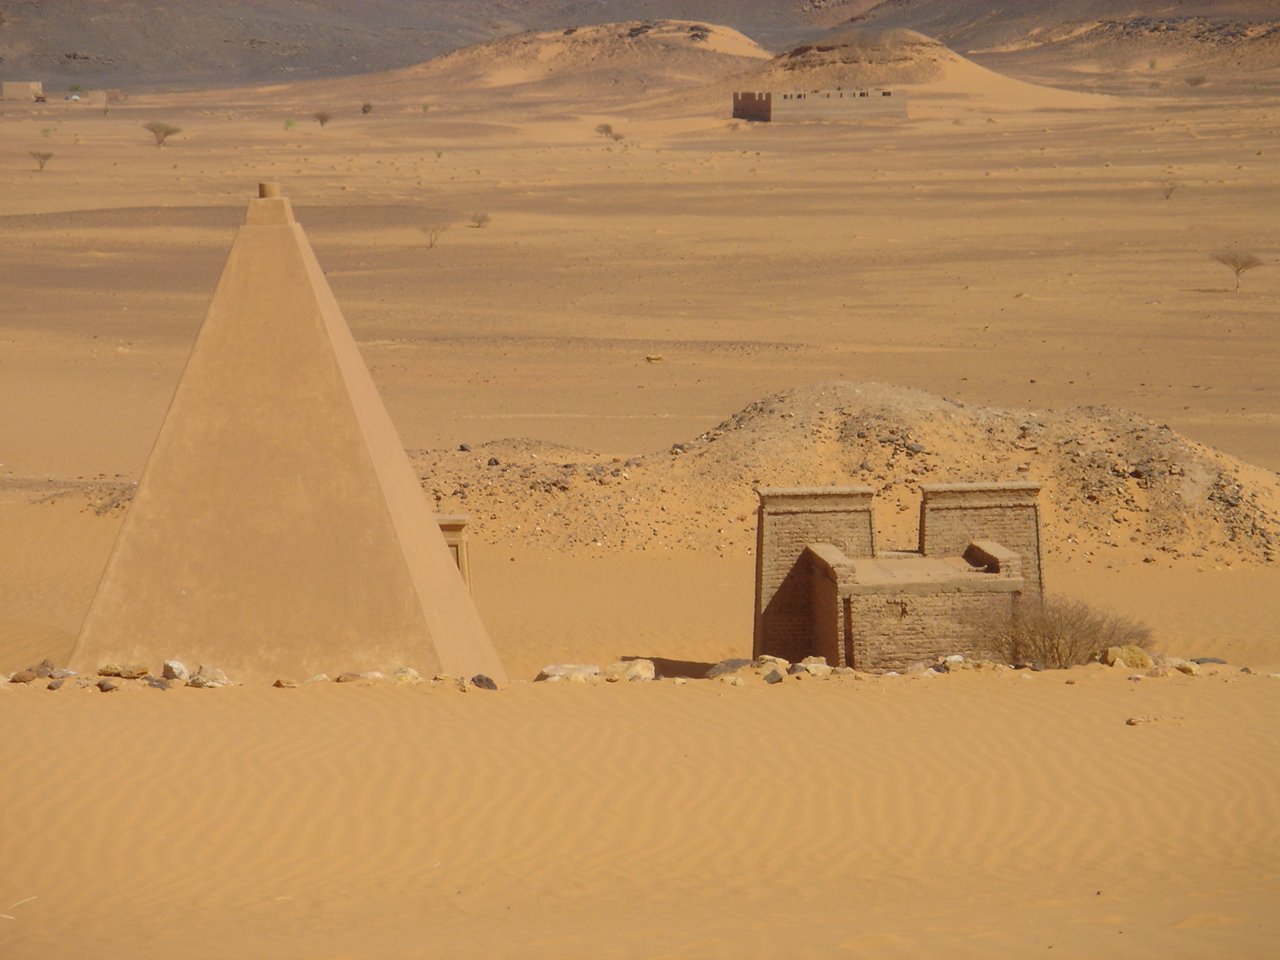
56	684
639	670
680	681
285	684
158	683
567	671
733	680
1189	667
208	678
810	667
1135	721
1204	660
62	673
403	675
318	678
176	670
106	685
43	669
1130	655
132	671
729	667
23	676
483	682
773	675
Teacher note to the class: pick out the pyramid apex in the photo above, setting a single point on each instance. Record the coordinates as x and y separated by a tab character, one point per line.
269	207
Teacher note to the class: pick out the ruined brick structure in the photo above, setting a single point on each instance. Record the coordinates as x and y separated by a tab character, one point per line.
29	90
823	588
818	105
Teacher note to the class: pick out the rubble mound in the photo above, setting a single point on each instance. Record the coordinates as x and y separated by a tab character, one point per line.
1112	480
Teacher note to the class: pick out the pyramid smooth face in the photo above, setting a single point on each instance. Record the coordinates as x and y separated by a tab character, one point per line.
278	527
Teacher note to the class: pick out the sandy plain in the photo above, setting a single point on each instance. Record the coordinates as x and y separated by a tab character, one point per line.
1006	248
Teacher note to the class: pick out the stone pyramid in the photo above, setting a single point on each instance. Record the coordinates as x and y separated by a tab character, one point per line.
278	528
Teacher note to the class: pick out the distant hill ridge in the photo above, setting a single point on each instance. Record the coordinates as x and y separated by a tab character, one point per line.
196	43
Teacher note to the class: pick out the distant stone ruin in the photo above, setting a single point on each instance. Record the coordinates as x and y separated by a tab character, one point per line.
29	90
819	105
824	589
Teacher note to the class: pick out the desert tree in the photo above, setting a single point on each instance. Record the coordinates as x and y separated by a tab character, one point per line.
161	131
41	157
321	117
1237	262
433	232
604	129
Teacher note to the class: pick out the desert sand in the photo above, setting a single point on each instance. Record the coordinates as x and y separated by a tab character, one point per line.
641	331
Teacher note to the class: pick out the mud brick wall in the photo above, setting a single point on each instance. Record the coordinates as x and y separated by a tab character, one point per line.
891	631
953	515
787	520
753	106
838	105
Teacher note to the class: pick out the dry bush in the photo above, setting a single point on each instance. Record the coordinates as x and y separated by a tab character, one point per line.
480	220
366	107
321	117
1167	188
1060	633
41	157
1237	262
161	131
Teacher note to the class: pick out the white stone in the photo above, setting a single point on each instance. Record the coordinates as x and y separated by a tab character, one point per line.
176	670
630	670
568	671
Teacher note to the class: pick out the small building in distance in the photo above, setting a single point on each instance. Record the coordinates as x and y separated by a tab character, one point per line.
824	589
819	105
29	90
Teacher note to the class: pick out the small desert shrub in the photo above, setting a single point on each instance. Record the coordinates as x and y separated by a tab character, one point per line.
366	108
1237	263
161	131
1060	633
1197	81
604	129
290	124
480	220
321	117
1168	188
41	157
